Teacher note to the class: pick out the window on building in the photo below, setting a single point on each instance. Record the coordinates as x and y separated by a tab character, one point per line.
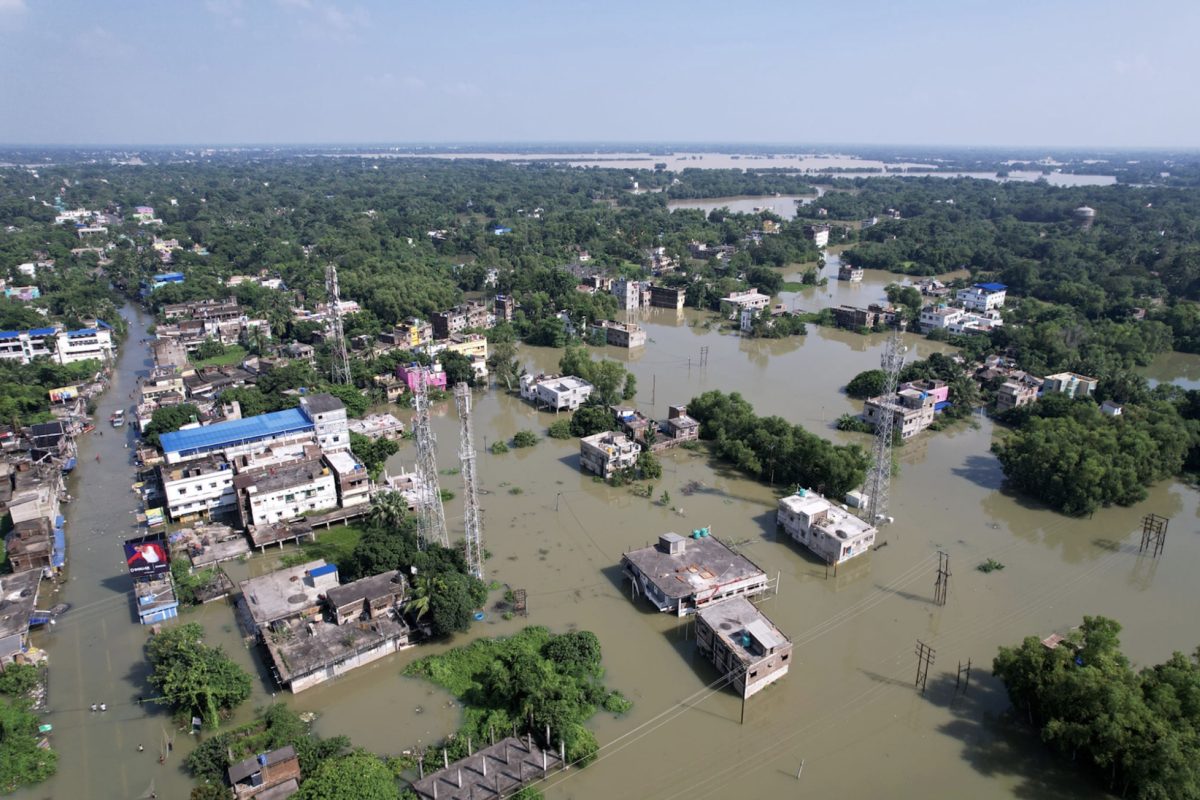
784	657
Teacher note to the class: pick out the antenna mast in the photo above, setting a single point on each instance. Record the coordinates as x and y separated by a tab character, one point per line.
431	516
472	522
879	479
341	361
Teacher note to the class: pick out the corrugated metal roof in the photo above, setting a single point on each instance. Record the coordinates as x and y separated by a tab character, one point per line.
323	570
991	287
291	420
82	332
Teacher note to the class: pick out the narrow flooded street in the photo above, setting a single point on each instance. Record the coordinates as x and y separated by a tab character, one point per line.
847	711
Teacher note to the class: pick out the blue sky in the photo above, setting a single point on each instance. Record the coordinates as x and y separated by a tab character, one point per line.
1007	72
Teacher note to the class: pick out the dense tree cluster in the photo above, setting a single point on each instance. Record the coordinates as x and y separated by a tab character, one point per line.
22	762
24	388
1139	731
530	680
193	678
442	588
1075	459
775	450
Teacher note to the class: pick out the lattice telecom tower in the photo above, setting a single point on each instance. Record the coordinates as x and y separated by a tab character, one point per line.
337	336
472	522
879	479
431	517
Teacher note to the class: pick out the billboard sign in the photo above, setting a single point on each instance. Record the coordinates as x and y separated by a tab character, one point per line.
63	394
146	557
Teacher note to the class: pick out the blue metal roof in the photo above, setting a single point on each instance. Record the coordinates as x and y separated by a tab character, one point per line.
43	332
59	556
10	334
82	332
169	276
102	324
327	569
235	431
991	287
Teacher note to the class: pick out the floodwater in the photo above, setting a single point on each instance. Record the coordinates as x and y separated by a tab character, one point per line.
847	711
1182	369
783	205
803	163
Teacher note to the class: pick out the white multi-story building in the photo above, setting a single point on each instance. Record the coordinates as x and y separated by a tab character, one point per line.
607	453
628	294
84	345
62	346
197	488
828	530
732	304
328	415
554	392
940	317
983	297
353	485
277	494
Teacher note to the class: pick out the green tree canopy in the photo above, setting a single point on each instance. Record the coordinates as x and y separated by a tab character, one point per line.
192	677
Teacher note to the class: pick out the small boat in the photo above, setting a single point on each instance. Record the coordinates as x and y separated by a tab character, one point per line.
45	728
60	609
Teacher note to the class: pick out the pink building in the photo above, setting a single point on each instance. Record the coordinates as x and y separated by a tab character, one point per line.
435	378
936	389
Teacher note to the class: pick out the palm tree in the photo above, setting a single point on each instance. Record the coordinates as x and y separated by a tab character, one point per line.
424	587
388	510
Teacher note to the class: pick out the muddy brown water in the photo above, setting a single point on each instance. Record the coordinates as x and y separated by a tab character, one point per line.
847	711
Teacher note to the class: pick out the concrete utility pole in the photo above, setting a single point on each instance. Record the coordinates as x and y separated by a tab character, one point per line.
925	655
1154	535
942	584
472	522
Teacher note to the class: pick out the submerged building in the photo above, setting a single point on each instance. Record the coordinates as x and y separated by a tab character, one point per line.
743	644
681	575
826	529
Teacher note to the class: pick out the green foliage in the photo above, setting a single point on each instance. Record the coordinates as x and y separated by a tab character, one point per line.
187	583
373	453
498	448
442	588
209	348
18	680
853	423
168	419
458	368
991	565
355	776
194	678
609	378
591	419
211	791
1139	731
533	675
648	466
525	439
353	398
336	545
1075	459
773	449
866	384
22	762
560	429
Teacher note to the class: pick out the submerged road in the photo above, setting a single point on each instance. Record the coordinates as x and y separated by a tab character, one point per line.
96	649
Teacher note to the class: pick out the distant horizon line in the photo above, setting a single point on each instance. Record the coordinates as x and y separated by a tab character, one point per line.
641	145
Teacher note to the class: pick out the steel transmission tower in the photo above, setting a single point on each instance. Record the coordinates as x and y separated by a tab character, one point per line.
472	522
879	479
341	361
431	516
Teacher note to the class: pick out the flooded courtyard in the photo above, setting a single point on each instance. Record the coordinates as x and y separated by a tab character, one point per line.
847	711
